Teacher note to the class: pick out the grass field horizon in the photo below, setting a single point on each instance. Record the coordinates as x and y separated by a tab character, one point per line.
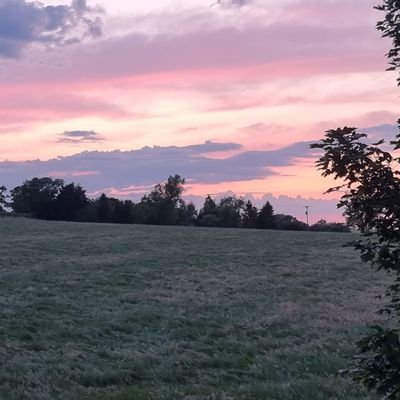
131	312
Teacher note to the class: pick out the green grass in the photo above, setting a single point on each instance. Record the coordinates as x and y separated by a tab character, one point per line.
96	312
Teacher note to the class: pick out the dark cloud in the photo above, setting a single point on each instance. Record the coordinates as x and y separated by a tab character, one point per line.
79	137
232	3
23	23
149	165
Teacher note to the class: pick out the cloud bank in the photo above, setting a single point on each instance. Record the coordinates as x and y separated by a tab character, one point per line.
97	170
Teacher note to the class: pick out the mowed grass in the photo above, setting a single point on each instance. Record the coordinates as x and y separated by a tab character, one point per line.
92	311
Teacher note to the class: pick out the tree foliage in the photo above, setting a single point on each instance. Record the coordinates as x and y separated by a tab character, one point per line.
371	203
230	210
69	201
208	215
324	226
103	209
266	217
289	223
34	197
46	198
250	215
3	198
390	28
370	178
161	206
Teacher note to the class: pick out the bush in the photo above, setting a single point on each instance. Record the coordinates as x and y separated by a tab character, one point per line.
323	226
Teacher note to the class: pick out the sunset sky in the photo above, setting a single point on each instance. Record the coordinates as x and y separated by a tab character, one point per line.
117	94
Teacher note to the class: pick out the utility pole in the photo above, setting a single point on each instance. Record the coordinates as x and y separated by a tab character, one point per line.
307	214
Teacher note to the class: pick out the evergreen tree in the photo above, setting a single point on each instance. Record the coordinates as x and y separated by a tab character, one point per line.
103	210
3	198
249	215
208	215
266	217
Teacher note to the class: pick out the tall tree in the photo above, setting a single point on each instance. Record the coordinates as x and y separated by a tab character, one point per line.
3	198
36	196
123	212
208	215
370	178
187	214
230	210
173	189
209	206
390	28
161	206
103	209
71	199
250	214
266	217
371	204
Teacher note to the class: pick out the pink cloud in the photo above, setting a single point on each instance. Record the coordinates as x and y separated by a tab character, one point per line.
250	66
72	174
300	44
361	121
268	97
84	173
376	118
284	47
52	104
368	96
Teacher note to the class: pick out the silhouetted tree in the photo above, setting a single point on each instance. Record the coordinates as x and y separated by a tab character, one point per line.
370	178
123	212
230	211
266	217
70	200
289	223
173	189
103	209
36	196
88	213
160	207
390	28
209	205
227	213
139	213
208	215
3	198
323	226
250	214
187	214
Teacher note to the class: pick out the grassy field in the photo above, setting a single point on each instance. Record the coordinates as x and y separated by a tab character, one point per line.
91	311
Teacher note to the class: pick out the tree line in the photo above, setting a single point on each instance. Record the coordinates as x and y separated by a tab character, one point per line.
52	199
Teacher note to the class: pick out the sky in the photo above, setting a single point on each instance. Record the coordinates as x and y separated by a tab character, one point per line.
117	95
